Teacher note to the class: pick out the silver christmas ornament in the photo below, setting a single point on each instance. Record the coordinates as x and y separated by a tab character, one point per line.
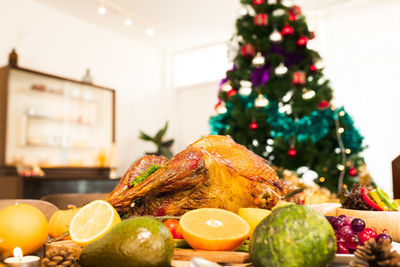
258	60
275	36
281	69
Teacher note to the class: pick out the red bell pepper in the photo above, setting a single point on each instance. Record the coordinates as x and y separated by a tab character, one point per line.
368	200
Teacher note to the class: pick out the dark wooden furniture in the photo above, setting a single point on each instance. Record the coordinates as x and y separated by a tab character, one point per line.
396	177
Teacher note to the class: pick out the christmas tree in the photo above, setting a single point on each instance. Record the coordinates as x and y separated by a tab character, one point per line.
276	101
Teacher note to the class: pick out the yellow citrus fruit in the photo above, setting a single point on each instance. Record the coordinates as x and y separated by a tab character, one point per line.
24	226
253	216
59	222
214	229
92	222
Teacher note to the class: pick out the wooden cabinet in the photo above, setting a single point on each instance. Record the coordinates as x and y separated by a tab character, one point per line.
51	121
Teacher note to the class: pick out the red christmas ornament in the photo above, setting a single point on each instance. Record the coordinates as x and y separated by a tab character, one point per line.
352	171
232	92
302	41
299	78
296	10
287	30
313	68
258	2
323	104
261	19
248	50
253	125
292	16
312	35
292	152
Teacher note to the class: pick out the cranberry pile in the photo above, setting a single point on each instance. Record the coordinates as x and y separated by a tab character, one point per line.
351	232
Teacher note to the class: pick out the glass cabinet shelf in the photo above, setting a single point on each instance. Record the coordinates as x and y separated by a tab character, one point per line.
53	121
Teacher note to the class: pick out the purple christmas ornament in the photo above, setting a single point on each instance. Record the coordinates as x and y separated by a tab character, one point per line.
260	76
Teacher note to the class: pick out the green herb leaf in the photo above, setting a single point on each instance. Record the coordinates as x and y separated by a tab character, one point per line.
143	175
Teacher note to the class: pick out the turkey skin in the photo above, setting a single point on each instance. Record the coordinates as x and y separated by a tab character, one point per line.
214	172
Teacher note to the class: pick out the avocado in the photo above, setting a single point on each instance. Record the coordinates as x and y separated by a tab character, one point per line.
135	242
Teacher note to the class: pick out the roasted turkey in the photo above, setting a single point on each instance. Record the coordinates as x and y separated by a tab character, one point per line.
214	172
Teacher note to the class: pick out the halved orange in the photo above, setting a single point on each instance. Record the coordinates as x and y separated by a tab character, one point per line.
92	222
214	229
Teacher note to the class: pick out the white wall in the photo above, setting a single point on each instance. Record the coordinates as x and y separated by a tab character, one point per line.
360	47
54	42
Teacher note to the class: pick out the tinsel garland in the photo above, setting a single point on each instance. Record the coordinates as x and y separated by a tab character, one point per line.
312	127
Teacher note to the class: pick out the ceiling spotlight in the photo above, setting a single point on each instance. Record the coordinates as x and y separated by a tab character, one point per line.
128	22
150	32
102	10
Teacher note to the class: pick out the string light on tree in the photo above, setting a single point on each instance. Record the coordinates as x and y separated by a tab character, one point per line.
281	69
308	94
245	88
340	167
261	101
340	130
348	151
258	60
275	36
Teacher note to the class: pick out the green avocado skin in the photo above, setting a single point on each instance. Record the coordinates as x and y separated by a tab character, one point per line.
135	242
293	236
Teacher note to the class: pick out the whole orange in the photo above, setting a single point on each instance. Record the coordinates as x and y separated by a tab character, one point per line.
24	226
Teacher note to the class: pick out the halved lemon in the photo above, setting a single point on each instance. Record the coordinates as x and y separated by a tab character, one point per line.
214	229
253	216
92	222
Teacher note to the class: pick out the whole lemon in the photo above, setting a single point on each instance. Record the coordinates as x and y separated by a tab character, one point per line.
24	226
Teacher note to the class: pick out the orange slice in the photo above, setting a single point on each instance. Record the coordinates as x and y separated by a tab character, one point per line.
214	229
92	222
